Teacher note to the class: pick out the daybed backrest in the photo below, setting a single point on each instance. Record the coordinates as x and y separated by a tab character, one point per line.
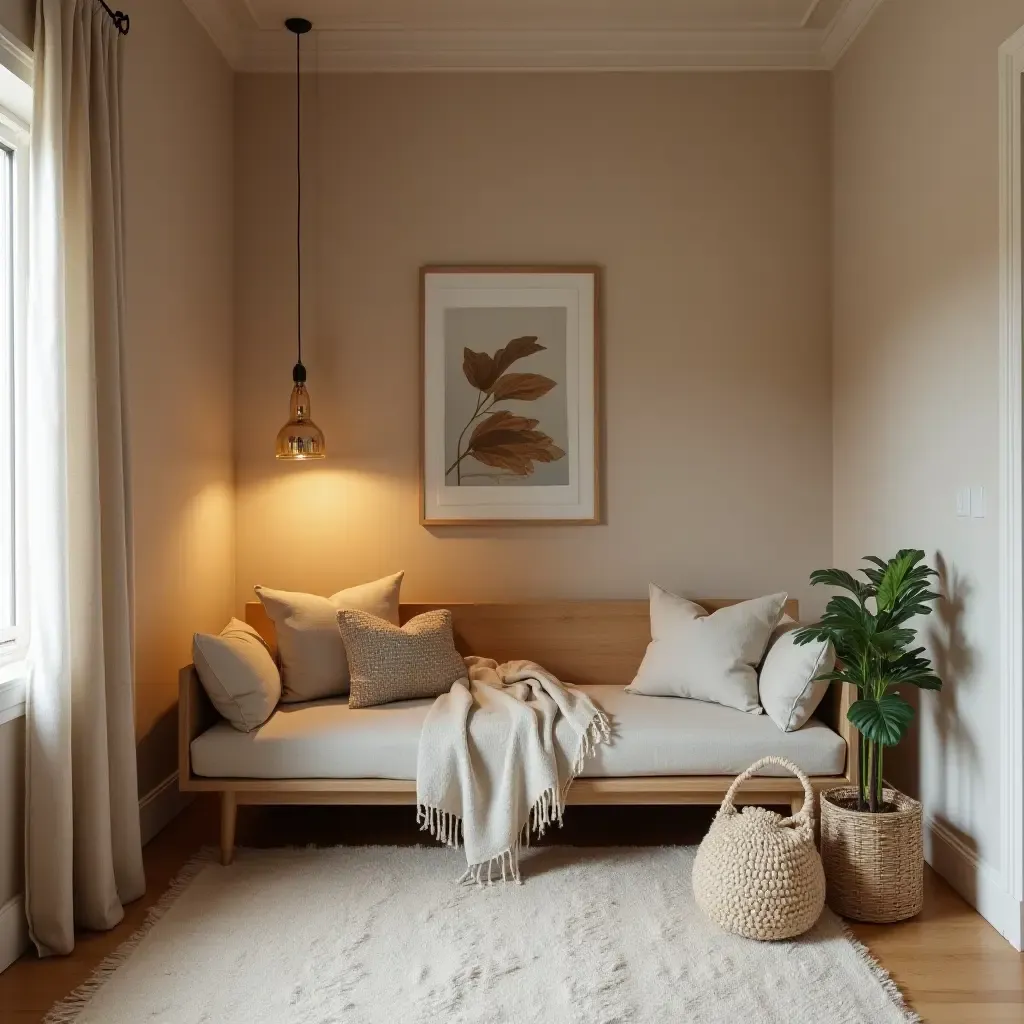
579	641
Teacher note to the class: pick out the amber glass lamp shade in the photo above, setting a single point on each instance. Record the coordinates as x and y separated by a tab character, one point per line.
300	437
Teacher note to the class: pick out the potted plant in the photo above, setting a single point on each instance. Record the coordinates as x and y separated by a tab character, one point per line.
871	835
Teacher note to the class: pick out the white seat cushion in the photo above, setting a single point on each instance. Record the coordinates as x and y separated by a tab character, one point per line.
678	736
651	736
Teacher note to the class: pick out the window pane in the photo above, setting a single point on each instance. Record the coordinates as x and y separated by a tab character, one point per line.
7	395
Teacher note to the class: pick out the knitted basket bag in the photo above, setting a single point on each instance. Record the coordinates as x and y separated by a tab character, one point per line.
758	874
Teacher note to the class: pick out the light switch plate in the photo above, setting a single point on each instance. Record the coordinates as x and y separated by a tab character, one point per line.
978	503
963	501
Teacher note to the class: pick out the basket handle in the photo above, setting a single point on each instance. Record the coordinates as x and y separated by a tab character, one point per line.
803	817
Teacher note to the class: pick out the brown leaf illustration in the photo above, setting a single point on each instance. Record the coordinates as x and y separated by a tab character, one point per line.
517	348
503	446
505	457
526	387
501	420
479	369
546	451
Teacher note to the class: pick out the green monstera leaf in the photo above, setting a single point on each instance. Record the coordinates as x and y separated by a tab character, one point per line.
884	720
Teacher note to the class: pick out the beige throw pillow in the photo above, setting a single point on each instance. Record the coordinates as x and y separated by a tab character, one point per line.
309	646
788	684
707	657
390	663
238	674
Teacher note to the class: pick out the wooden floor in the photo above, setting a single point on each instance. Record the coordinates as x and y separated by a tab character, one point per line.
953	967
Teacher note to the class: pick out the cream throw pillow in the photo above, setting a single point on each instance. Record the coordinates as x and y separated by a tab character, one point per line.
238	674
707	657
309	646
788	684
390	663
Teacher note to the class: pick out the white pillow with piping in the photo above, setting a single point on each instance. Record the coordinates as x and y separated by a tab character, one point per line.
788	685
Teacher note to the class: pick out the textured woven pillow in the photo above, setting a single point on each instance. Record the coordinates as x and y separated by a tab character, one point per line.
311	652
238	674
389	663
707	657
788	682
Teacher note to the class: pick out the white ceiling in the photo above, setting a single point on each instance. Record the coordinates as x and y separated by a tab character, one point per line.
530	35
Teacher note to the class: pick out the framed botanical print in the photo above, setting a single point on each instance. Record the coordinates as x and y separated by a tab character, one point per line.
510	374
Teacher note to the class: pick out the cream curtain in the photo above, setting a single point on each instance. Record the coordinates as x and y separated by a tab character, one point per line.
83	856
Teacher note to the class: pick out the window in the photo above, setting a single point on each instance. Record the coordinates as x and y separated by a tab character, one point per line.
13	319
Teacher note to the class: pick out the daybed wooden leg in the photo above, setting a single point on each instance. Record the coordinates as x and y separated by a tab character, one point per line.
228	819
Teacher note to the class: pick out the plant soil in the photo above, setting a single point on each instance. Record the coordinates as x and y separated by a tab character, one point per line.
850	804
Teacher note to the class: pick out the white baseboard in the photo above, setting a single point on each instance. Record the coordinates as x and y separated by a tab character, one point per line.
160	806
976	881
13	931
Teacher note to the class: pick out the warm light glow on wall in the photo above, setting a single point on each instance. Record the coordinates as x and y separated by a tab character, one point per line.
324	509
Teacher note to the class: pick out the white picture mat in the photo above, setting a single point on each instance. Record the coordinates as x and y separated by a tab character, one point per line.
573	292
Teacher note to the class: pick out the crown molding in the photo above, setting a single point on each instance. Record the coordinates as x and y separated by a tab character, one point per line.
845	28
222	28
375	49
422	50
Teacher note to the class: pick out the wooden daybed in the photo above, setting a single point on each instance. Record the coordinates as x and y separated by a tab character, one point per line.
582	642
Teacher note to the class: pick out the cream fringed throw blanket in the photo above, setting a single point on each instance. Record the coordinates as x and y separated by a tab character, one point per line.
496	757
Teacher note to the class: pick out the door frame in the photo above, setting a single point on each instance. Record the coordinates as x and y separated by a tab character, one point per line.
1011	501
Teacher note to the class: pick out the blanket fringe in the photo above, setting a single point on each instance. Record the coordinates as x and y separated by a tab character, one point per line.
599	731
546	812
444	827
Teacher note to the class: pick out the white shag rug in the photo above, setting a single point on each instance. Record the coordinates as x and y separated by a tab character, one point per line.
383	935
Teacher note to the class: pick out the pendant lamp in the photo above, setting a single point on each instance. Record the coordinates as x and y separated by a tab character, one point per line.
300	437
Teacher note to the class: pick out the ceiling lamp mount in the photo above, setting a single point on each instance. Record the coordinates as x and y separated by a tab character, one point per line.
300	437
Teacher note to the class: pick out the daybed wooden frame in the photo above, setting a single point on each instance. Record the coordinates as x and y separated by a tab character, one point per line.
580	641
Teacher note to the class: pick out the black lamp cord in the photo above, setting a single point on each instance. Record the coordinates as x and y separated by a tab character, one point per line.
299	373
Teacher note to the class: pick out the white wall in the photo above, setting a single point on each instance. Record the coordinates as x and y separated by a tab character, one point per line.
916	377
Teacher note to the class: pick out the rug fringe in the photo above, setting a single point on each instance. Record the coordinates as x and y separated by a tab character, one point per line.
68	1010
881	975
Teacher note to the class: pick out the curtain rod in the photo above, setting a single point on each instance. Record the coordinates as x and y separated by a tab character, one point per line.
121	20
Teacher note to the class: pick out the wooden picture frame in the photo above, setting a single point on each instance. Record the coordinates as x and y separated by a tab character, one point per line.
509	390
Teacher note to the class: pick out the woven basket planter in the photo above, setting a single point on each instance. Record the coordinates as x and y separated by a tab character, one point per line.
874	863
758	874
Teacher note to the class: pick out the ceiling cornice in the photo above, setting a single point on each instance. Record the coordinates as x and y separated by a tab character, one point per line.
847	25
249	49
222	29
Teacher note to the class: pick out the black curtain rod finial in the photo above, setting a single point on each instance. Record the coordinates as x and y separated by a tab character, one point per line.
121	20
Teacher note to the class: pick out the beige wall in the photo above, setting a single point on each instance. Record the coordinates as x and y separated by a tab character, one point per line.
706	199
18	17
178	132
12	780
916	360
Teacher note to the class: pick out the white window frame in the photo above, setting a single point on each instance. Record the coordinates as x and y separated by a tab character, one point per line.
15	137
